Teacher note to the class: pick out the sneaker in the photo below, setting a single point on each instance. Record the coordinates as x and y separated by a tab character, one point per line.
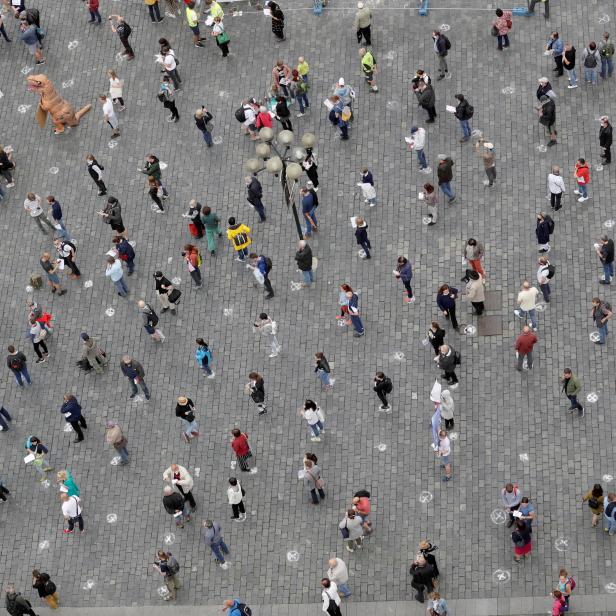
198	44
384	408
171	118
10	185
352	550
517	314
273	355
211	376
41	61
451	200
315	439
426	170
40	360
300	115
224	566
358	335
263	412
571	87
68	532
577	192
409	300
581	412
582	199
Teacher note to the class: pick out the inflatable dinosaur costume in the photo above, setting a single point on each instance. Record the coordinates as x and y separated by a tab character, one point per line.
62	112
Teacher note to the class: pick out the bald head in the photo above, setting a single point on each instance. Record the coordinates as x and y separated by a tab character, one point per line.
332	562
168	491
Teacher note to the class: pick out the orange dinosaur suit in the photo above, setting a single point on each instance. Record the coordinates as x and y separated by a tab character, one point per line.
62	112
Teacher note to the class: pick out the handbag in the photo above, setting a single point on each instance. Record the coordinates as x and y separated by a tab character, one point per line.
319	483
593	502
222	38
174	296
344	531
494	31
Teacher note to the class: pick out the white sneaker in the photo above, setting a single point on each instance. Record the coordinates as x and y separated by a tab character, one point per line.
315	439
254	470
211	376
571	87
10	185
577	192
372	204
224	566
349	549
273	355
300	115
517	314
426	170
486	182
582	199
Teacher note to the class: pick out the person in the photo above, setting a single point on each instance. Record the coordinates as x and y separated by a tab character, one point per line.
610	514
447	407
254	192
361	235
112	215
605	252
123	30
183	481
595	499
343	302
46	588
582	175
331	597
368	192
500	28
323	370
221	36
193	260
195	226
15	603
606	51
55	213
235	495
135	374
51	270
524	348
601	314
353	312
67	483
239	236
71	409
556	188
5	417
543	231
522	540
185	410
426	99
36	448
309	208
444	173
277	20
447	360
202	117
441	49
262	265
438	606
464	112
95	356
362	24
489	165
256	388
212	536
167	565
571	387
115	437
95	170
527	300
443	451
556	47
164	291
268	327
203	355
569	65
303	258
32	205
545	272
211	223
473	253
591	60
313	481
283	114
29	35
369	67
475	292
264	119
382	387
166	95
338	573
547	118
37	334
115	88
446	301
431	198
527	513
426	549
126	253
109	115
605	140
546	7
236	607
156	194
511	497
115	272
170	66
176	505
559	605
315	419
436	336
417	142
73	512
423	575
241	448
404	272
7	167
352	530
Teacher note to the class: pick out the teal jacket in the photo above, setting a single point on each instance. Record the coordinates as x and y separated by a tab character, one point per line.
73	490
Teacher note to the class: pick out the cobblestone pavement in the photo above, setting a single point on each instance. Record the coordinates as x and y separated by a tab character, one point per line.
500	415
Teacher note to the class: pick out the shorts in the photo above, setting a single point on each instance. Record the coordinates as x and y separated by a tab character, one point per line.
53	278
119	227
445	459
149	329
252	127
368	75
33	48
195	30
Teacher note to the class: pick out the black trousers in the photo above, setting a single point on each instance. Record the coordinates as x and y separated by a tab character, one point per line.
451	315
38	346
421	588
188	496
172	108
479	307
559	64
72	266
77	425
286	123
315	498
607	154
382	397
127	47
555	200
268	285
546	7
450	375
431	112
237	509
78	520
365	32
313	176
3	492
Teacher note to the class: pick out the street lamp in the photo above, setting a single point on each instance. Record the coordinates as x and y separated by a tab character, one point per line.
283	162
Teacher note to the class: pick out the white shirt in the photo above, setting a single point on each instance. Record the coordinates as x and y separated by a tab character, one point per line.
234	494
169	61
330	593
444	446
250	115
338	574
418	139
556	184
115	88
218	29
527	298
71	508
108	110
542	274
312	416
33	207
114	270
368	190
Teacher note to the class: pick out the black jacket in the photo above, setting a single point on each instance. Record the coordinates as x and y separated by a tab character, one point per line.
441	45
447	363
605	136
607	252
436	338
258	392
548	113
542	232
185	411
202	122
39	584
160	283
73	407
254	190
384	386
304	258
16	605
463	111
422	575
444	171
174	502
426	98
361	233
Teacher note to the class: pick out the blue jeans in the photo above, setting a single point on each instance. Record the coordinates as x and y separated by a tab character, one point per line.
242	253
316	428
503	40
421	159
602	333
607	67
574	402
583	190
207	137
218	549
311	214
530	314
302	99
357	324
123	454
95	16
466	128
446	188
308	276
324	376
572	76
130	265
608	271
19	373
344	589
206	368
590	75
121	287
143	386
191	426
366	246
62	232
610	524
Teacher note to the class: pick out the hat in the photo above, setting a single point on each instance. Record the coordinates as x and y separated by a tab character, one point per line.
414	129
341	81
488	145
543	80
360	5
158	274
474	275
84	336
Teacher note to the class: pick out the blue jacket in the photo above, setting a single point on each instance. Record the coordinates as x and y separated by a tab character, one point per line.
71	406
56	211
307	203
261	266
124	248
406	272
445	302
235	608
354	304
367	178
556	46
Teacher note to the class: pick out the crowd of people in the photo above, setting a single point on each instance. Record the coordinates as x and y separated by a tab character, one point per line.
288	90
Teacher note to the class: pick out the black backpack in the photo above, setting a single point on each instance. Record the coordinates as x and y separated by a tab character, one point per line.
550	222
173	565
457	358
590	61
551	271
388	386
152	317
268	264
49	587
240	114
243	609
447	42
607	306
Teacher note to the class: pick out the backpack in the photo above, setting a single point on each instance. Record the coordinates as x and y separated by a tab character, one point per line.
571	583
388	386
457	358
551	272
362	494
509	24
16	363
607	306
447	42
49	587
268	264
152	317
550	222
590	61
70	244
199	260
241	610
240	238
173	565
240	114
470	110
607	51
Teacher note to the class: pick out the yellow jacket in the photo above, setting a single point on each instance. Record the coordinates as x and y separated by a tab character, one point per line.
238	236
216	10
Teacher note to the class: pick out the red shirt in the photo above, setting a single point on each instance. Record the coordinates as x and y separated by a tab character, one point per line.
240	445
525	342
93	5
582	172
264	119
363	505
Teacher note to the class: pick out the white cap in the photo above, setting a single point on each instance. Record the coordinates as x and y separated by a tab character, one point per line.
489	146
341	81
360	5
